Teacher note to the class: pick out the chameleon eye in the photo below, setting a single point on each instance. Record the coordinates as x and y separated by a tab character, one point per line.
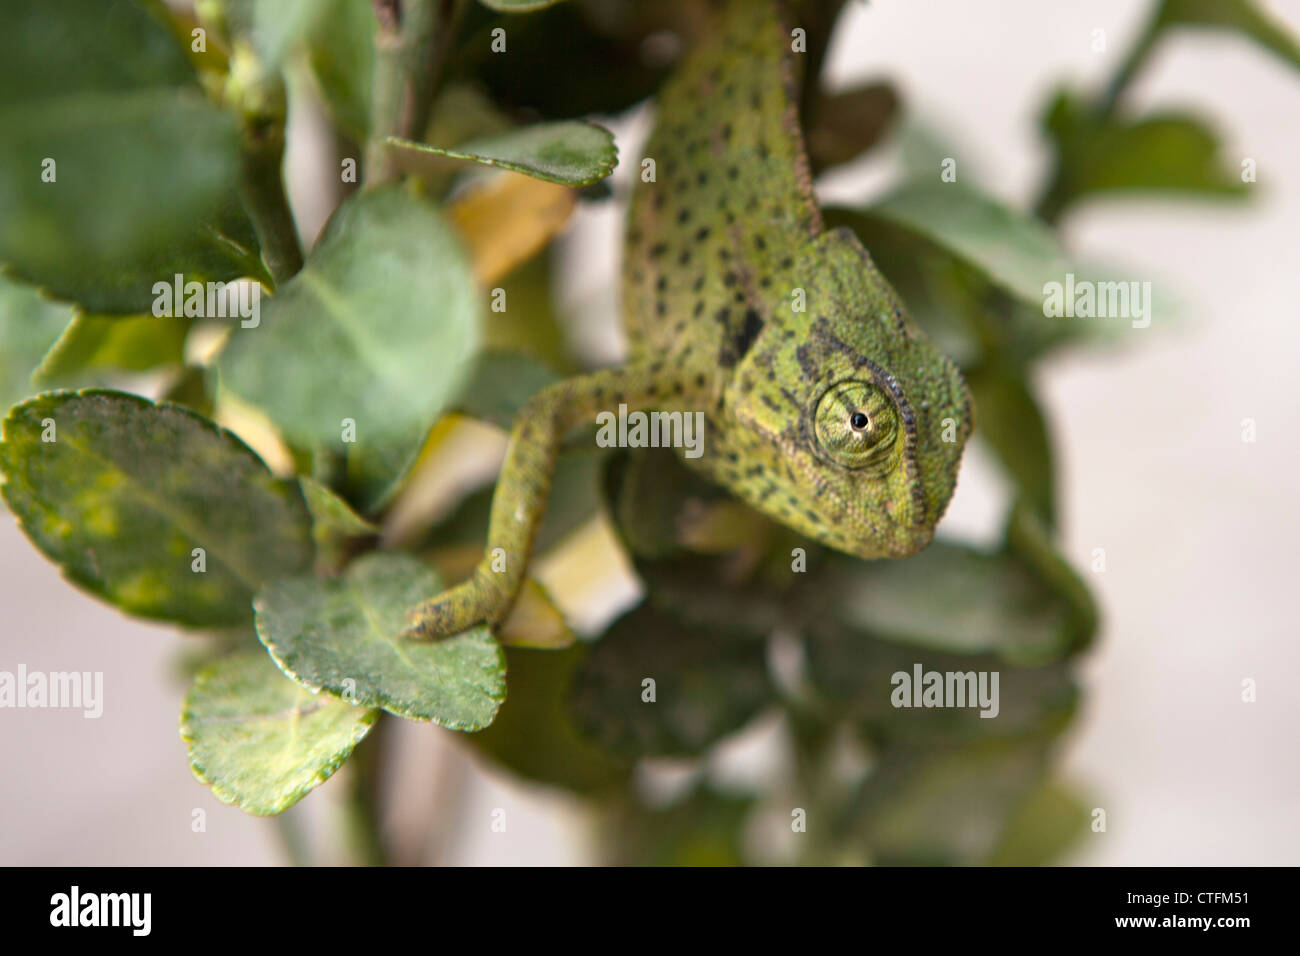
855	424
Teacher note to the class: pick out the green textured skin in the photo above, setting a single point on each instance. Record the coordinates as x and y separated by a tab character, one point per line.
720	249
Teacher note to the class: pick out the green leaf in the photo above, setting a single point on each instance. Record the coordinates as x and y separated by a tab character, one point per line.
931	806
378	327
1008	417
260	741
1048	824
92	344
1012	250
855	676
341	635
29	324
127	490
534	735
145	169
517	6
501	383
951	598
335	527
708	683
1241	16
340	50
706	829
1166	153
570	153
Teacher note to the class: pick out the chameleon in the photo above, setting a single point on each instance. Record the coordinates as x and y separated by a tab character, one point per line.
825	407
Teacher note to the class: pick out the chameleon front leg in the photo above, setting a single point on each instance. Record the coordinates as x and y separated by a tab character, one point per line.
525	483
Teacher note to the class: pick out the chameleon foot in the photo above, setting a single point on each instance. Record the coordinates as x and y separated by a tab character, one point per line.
475	601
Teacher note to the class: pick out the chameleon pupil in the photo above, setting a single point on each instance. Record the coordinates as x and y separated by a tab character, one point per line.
858	421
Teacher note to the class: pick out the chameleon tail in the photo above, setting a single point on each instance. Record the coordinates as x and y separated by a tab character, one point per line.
525	483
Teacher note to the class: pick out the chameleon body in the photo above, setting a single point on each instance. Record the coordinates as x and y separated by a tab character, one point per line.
825	407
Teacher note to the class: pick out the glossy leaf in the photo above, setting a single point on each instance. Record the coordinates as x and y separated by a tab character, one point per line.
377	329
126	492
260	741
341	635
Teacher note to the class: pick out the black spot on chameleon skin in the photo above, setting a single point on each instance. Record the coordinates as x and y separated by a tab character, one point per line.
749	330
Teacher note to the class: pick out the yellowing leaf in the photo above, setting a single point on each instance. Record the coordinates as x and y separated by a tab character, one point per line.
508	219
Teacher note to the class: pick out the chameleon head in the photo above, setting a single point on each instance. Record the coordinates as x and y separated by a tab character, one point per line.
865	436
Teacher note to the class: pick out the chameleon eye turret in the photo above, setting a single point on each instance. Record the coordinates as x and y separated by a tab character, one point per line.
856	426
837	418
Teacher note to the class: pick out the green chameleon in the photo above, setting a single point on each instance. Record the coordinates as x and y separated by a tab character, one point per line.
824	405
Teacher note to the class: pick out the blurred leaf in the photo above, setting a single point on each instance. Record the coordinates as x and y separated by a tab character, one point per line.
127	490
517	6
501	383
30	323
842	126
523	317
535	621
1242	16
930	806
1105	154
1029	539
340	50
1008	416
1047	824
569	153
193	389
145	175
341	635
951	598
335	527
1013	251
708	683
620	41
507	219
93	343
854	674
378	328
534	735
259	740
707	829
